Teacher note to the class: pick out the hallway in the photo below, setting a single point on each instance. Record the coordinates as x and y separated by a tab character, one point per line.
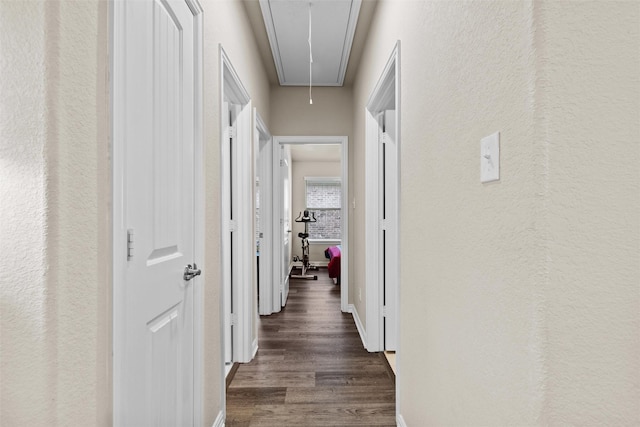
518	298
311	368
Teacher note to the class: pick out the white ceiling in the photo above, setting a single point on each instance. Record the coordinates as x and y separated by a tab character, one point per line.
333	26
254	15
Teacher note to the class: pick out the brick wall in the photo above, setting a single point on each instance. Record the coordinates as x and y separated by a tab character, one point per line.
324	199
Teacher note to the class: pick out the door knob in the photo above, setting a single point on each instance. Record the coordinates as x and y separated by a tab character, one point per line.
191	271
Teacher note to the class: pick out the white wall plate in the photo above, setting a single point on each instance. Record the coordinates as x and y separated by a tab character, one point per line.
490	158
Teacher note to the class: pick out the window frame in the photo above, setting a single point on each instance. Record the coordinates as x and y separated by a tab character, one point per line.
323	180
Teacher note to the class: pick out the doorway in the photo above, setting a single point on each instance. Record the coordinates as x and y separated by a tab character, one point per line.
237	217
268	300
282	264
382	220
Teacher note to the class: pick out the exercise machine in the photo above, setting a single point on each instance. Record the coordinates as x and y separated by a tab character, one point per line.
306	264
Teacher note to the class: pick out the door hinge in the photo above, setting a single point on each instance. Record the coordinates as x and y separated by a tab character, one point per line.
129	244
383	224
233	319
384	311
230	132
233	224
282	163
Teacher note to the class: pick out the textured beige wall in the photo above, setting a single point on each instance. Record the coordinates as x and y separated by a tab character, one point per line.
330	114
300	170
589	102
469	322
55	365
24	338
519	299
225	23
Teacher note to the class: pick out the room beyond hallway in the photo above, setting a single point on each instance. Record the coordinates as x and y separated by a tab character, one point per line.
311	368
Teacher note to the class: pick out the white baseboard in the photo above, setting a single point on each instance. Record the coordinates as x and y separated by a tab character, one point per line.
400	421
298	264
227	369
361	330
219	422
254	347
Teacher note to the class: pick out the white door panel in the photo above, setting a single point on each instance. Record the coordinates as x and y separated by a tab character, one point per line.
238	238
264	206
158	99
286	219
227	231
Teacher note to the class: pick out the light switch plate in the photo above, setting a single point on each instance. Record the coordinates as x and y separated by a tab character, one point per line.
490	158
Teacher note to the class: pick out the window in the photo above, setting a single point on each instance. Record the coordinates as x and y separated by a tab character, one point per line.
324	199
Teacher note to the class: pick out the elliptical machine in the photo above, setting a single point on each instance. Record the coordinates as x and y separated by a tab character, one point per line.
306	264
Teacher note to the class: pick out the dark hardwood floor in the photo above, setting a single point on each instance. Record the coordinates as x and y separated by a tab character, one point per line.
311	368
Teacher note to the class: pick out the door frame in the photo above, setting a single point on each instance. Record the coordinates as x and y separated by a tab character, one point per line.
118	229
265	162
343	141
387	89
281	291
232	89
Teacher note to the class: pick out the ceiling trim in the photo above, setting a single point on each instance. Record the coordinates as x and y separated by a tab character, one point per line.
265	7
354	11
351	31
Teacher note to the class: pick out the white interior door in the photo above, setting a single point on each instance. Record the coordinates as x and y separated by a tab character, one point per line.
259	149
382	221
285	220
390	230
238	232
229	112
155	89
264	214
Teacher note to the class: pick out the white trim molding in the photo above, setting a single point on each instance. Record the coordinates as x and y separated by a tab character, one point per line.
356	319
264	164
199	240
344	142
321	264
254	348
329	242
386	93
234	94
219	421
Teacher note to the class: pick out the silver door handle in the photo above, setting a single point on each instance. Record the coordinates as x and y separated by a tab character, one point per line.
191	272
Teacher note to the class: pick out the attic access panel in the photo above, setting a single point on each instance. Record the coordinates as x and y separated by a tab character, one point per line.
333	25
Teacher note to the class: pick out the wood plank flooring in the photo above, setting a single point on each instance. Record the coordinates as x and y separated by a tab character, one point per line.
311	368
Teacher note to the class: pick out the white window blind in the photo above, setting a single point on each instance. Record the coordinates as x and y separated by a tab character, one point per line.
324	199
